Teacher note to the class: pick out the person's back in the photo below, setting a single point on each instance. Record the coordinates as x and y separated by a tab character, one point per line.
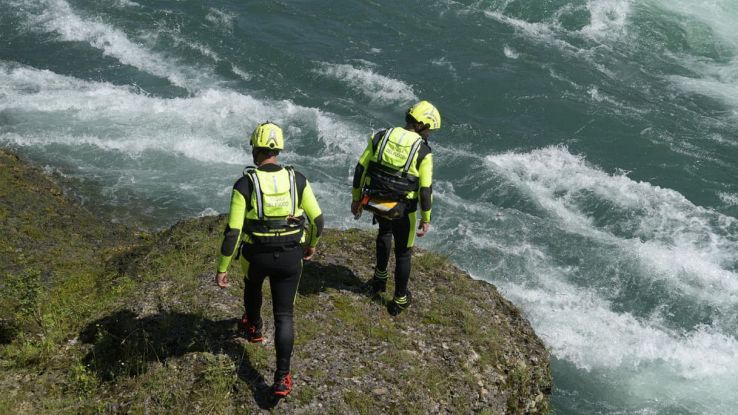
394	174
268	205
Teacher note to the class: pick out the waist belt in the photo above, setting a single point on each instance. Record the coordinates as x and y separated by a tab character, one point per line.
275	233
275	226
389	183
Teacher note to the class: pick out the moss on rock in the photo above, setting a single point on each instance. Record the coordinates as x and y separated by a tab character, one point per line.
106	319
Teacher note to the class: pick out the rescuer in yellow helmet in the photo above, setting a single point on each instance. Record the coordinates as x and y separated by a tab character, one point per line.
269	204
393	176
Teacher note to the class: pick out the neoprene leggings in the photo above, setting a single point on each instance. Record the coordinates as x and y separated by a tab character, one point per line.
403	231
283	269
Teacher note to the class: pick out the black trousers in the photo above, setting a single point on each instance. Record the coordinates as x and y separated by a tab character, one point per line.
403	232
284	269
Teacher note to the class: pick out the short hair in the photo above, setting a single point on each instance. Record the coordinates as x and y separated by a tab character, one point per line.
410	119
269	152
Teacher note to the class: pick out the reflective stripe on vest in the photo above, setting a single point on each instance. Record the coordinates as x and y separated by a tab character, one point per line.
383	144
259	195
410	158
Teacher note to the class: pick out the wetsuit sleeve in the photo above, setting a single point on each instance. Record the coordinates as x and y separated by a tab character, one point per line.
360	170
232	233
309	204
425	171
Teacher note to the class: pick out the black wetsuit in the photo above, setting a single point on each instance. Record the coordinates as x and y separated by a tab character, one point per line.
282	264
283	269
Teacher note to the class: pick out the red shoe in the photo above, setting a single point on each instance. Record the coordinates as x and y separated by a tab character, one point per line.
252	331
282	385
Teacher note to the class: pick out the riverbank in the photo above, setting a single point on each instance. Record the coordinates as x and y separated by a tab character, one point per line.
96	317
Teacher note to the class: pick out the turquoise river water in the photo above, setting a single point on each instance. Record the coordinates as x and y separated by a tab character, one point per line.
587	164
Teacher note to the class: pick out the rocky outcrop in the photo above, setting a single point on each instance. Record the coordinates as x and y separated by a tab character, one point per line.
166	339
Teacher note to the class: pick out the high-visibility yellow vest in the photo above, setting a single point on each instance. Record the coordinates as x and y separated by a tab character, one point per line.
274	216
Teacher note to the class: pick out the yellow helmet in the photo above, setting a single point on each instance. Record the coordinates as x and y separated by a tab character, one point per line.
426	113
268	135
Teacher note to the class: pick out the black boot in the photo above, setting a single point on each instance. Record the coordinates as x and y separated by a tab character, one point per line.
398	304
377	284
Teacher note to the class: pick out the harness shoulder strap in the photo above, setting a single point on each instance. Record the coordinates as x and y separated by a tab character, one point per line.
383	144
248	169
259	195
293	189
411	156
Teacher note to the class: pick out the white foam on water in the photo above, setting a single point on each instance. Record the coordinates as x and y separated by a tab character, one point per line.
53	171
225	191
595	94
616	106
45	91
122	119
545	31
58	17
564	78
730	199
336	206
696	272
339	137
711	84
679	145
376	87
723	139
470	216
687	246
640	358
608	18
510	53
608	24
581	328
343	141
241	73
550	32
365	63
208	212
445	191
193	147
719	15
196	46
223	20
444	63
125	3
715	77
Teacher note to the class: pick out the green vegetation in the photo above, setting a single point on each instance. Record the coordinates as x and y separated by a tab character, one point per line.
98	318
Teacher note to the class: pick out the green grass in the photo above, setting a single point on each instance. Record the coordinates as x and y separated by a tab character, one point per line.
306	394
430	261
214	386
360	401
111	320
